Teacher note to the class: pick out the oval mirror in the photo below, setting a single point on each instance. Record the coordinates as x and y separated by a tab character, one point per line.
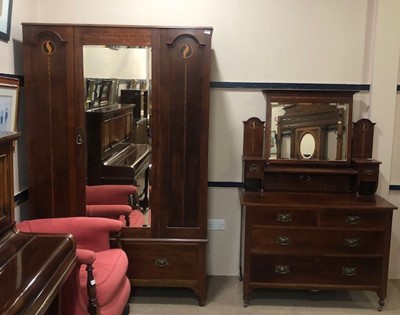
307	146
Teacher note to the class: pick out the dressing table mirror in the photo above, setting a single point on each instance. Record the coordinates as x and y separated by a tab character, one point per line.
311	218
308	127
94	91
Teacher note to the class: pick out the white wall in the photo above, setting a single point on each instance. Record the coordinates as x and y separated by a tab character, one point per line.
320	41
11	52
384	79
11	62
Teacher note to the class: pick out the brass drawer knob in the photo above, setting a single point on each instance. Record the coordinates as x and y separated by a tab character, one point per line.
353	219
349	271
282	269
284	217
283	240
253	168
351	242
161	262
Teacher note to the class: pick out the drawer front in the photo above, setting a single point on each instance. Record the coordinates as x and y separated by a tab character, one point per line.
281	217
369	173
317	271
307	182
316	242
254	169
354	219
149	260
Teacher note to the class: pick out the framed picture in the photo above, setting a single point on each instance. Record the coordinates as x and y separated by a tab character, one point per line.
9	92
105	92
273	142
5	19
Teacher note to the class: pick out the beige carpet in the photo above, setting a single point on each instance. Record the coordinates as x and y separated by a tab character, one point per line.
225	298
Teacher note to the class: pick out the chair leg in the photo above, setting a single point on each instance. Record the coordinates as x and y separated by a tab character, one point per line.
128	220
93	307
134	201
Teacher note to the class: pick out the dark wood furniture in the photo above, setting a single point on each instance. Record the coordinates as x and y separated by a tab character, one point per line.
313	221
172	251
33	267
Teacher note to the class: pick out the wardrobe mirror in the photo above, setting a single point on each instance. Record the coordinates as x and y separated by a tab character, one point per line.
117	100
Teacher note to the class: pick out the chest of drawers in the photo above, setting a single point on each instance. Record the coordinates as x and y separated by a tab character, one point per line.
315	241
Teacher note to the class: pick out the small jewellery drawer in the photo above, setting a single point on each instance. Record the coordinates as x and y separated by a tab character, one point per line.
254	169
315	270
316	242
368	170
369	173
354	219
281	217
149	260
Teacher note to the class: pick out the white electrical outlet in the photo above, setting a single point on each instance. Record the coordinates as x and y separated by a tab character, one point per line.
216	224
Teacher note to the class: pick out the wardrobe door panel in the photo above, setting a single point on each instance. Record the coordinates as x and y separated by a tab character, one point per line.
184	108
56	168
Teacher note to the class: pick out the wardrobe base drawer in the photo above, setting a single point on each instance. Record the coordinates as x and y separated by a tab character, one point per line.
166	263
165	260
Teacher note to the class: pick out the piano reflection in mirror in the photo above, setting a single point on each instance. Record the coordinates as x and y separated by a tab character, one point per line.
118	147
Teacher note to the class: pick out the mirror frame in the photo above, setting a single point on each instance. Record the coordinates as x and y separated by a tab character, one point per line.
309	97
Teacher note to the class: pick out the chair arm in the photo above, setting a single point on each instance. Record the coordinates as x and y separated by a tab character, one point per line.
85	256
88	232
108	211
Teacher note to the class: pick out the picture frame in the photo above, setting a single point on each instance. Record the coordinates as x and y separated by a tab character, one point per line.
273	149
5	19
9	97
105	92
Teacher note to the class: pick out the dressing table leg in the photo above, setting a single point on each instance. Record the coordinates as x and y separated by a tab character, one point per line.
245	300
381	304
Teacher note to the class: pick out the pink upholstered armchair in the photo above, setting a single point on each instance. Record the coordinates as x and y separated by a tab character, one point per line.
98	284
114	201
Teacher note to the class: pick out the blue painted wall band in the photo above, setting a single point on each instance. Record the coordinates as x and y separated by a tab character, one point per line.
226	184
292	86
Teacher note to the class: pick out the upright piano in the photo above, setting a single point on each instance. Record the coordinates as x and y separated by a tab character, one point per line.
33	267
118	150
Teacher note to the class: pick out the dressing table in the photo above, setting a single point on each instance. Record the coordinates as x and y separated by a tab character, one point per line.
310	216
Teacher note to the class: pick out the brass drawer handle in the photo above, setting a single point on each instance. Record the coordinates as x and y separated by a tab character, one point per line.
282	269
161	262
284	217
349	271
283	240
305	178
351	242
368	171
353	219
